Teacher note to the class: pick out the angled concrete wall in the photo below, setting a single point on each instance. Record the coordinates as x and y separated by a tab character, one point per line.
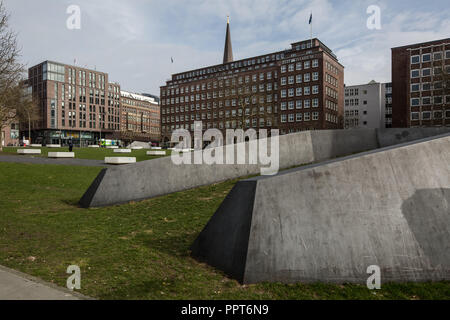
158	177
329	222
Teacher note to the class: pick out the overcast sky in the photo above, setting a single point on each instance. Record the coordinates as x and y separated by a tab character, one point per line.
134	40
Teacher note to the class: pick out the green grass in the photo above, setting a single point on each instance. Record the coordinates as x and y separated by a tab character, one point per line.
138	250
87	153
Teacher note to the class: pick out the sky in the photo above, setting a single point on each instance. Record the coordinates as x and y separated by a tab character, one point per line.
134	40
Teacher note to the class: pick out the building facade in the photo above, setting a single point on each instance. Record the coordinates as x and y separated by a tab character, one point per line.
388	108
418	95
140	118
301	88
365	106
10	134
73	103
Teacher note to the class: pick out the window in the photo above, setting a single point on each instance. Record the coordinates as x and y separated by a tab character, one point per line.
437	115
291	67
283	93
291	117
283	106
283	118
299	66
415	87
299	117
315	116
437	56
426	57
299	92
447	114
307	104
415	116
426	115
307	77
426	100
426	72
426	86
437	100
315	89
315	103
299	78
298	104
291	105
307	64
415	59
447	54
283	69
307	116
415	73
415	102
291	92
315	63
307	91
315	76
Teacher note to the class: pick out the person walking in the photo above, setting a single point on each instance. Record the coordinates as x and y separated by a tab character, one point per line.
70	145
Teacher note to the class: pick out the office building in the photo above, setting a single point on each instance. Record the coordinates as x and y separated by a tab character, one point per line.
419	96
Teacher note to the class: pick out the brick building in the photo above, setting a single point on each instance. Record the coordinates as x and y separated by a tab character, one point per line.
73	103
140	118
419	97
301	88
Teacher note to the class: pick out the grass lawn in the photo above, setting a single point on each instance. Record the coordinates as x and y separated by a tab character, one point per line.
87	153
138	250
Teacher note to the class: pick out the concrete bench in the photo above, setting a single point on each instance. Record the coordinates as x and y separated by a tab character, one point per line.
119	160
156	148
122	150
94	146
156	153
137	148
29	151
112	147
35	145
61	154
53	146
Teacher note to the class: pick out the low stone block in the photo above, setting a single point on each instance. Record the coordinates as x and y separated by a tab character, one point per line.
122	151
35	145
53	146
61	154
137	148
156	148
94	146
29	151
120	160
156	153
112	147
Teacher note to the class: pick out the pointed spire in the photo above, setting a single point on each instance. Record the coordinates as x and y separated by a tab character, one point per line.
228	51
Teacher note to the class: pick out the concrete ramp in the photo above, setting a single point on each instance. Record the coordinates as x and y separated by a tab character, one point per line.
329	222
158	177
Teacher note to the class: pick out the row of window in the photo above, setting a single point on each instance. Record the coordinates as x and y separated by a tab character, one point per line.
426	72
426	57
300	91
299	78
426	86
298	117
426	101
300	66
299	104
430	115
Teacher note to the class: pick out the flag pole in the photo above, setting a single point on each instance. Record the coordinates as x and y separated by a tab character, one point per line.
311	27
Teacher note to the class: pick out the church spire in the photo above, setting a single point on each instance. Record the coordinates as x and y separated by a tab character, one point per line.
228	51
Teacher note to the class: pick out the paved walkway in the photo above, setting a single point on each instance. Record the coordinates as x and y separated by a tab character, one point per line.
15	285
41	160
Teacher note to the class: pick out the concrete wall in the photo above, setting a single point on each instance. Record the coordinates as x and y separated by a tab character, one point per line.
329	222
158	177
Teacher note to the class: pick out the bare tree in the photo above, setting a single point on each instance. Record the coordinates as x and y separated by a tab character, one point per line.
14	100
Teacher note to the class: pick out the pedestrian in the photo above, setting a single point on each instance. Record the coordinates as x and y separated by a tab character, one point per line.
70	145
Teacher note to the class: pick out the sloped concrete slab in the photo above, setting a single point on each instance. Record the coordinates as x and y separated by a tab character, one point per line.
53	146
328	222
158	177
